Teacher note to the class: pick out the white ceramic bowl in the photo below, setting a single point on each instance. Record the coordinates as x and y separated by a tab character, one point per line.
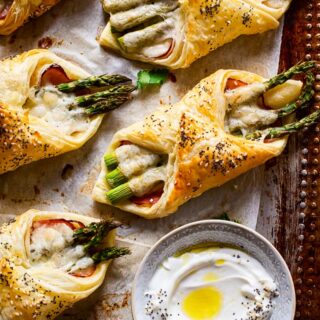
222	232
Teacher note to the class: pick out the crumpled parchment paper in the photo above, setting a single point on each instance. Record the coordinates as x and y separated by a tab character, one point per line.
64	183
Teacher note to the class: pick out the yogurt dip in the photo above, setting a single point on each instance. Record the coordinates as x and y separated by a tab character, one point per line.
207	283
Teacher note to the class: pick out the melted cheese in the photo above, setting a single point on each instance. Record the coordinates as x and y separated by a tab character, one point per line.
250	116
52	246
131	18
244	112
134	160
57	109
145	183
134	41
47	240
148	28
245	94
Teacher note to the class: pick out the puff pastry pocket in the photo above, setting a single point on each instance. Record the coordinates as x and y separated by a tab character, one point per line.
175	33
228	124
49	106
14	13
50	260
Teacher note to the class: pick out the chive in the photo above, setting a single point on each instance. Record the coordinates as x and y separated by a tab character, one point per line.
116	178
111	161
119	193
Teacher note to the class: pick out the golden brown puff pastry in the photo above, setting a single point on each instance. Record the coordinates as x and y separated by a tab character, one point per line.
14	13
210	137
175	33
41	113
46	264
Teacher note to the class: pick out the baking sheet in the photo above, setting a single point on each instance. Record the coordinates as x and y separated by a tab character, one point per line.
65	182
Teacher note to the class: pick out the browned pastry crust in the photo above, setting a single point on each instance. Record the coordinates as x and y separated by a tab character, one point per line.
21	11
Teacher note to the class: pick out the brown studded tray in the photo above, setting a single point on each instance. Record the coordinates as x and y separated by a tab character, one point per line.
296	231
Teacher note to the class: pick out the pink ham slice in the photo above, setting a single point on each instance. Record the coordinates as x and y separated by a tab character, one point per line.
148	200
54	75
168	53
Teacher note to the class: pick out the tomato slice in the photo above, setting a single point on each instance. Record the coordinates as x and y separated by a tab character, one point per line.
54	75
125	143
234	84
149	199
84	273
5	10
74	225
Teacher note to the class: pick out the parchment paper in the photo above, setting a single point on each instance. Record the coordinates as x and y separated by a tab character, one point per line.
64	183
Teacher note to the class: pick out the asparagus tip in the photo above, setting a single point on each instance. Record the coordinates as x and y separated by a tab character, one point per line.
109	253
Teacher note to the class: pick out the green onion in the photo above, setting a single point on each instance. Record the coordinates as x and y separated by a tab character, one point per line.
116	178
122	192
111	161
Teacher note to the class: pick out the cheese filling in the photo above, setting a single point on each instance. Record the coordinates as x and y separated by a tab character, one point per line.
131	18
51	245
116	5
134	160
57	109
148	181
245	112
144	27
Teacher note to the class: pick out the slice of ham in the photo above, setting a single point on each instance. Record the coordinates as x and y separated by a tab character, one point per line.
234	84
148	200
52	222
54	75
168	53
125	143
84	273
74	225
6	8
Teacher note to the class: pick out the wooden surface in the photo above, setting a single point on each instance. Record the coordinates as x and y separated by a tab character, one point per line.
297	229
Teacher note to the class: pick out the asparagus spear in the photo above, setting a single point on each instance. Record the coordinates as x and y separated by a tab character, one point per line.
122	192
107	104
305	96
114	91
111	161
94	81
278	132
92	235
116	178
283	77
109	253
